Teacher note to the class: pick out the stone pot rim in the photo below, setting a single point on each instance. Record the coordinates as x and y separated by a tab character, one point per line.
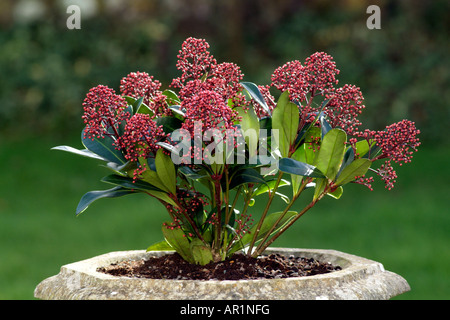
360	278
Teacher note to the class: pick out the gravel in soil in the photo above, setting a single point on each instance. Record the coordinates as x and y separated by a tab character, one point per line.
238	267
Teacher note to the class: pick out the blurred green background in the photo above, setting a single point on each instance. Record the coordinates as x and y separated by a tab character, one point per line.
46	70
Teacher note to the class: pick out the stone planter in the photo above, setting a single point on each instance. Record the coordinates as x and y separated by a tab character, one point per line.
359	279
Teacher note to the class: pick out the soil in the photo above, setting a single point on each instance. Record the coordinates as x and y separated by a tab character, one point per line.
238	267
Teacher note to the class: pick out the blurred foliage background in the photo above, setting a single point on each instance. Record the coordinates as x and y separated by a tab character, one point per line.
46	70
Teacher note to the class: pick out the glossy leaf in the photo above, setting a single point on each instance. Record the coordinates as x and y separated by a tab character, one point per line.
349	156
191	174
285	119
104	147
256	95
270	185
85	152
169	124
129	183
358	168
150	176
362	148
166	170
160	246
321	184
138	105
324	125
336	193
92	196
245	176
177	240
172	97
250	127
331	153
299	168
177	110
161	195
200	253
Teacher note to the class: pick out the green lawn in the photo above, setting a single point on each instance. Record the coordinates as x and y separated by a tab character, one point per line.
407	229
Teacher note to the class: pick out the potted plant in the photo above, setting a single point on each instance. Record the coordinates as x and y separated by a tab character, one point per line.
209	146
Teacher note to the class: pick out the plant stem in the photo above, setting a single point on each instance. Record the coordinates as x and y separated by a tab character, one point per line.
269	202
188	218
218	229
244	210
236	198
258	250
292	221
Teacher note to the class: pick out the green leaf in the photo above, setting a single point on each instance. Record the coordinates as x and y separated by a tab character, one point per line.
320	187
85	152
177	111
331	153
289	165
104	147
269	186
172	97
191	174
169	124
336	193
144	109
164	196
138	105
130	100
358	168
285	119
266	124
250	127
166	171
298	155
160	246
177	240
349	156
256	95
129	183
201	254
324	125
244	176
92	196
151	176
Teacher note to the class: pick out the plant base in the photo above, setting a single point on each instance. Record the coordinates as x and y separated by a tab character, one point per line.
359	279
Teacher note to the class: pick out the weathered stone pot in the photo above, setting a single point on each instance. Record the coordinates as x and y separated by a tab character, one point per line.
359	279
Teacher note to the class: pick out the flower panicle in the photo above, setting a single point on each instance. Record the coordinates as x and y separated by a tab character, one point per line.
104	111
140	137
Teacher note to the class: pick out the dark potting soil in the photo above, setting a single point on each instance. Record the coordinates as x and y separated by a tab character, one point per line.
238	267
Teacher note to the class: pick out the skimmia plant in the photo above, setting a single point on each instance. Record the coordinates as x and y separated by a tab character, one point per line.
210	145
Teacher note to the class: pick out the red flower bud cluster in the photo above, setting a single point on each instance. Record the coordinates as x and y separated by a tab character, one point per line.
104	110
208	108
315	77
291	77
320	73
396	144
344	107
194	61
141	84
140	137
200	72
398	141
